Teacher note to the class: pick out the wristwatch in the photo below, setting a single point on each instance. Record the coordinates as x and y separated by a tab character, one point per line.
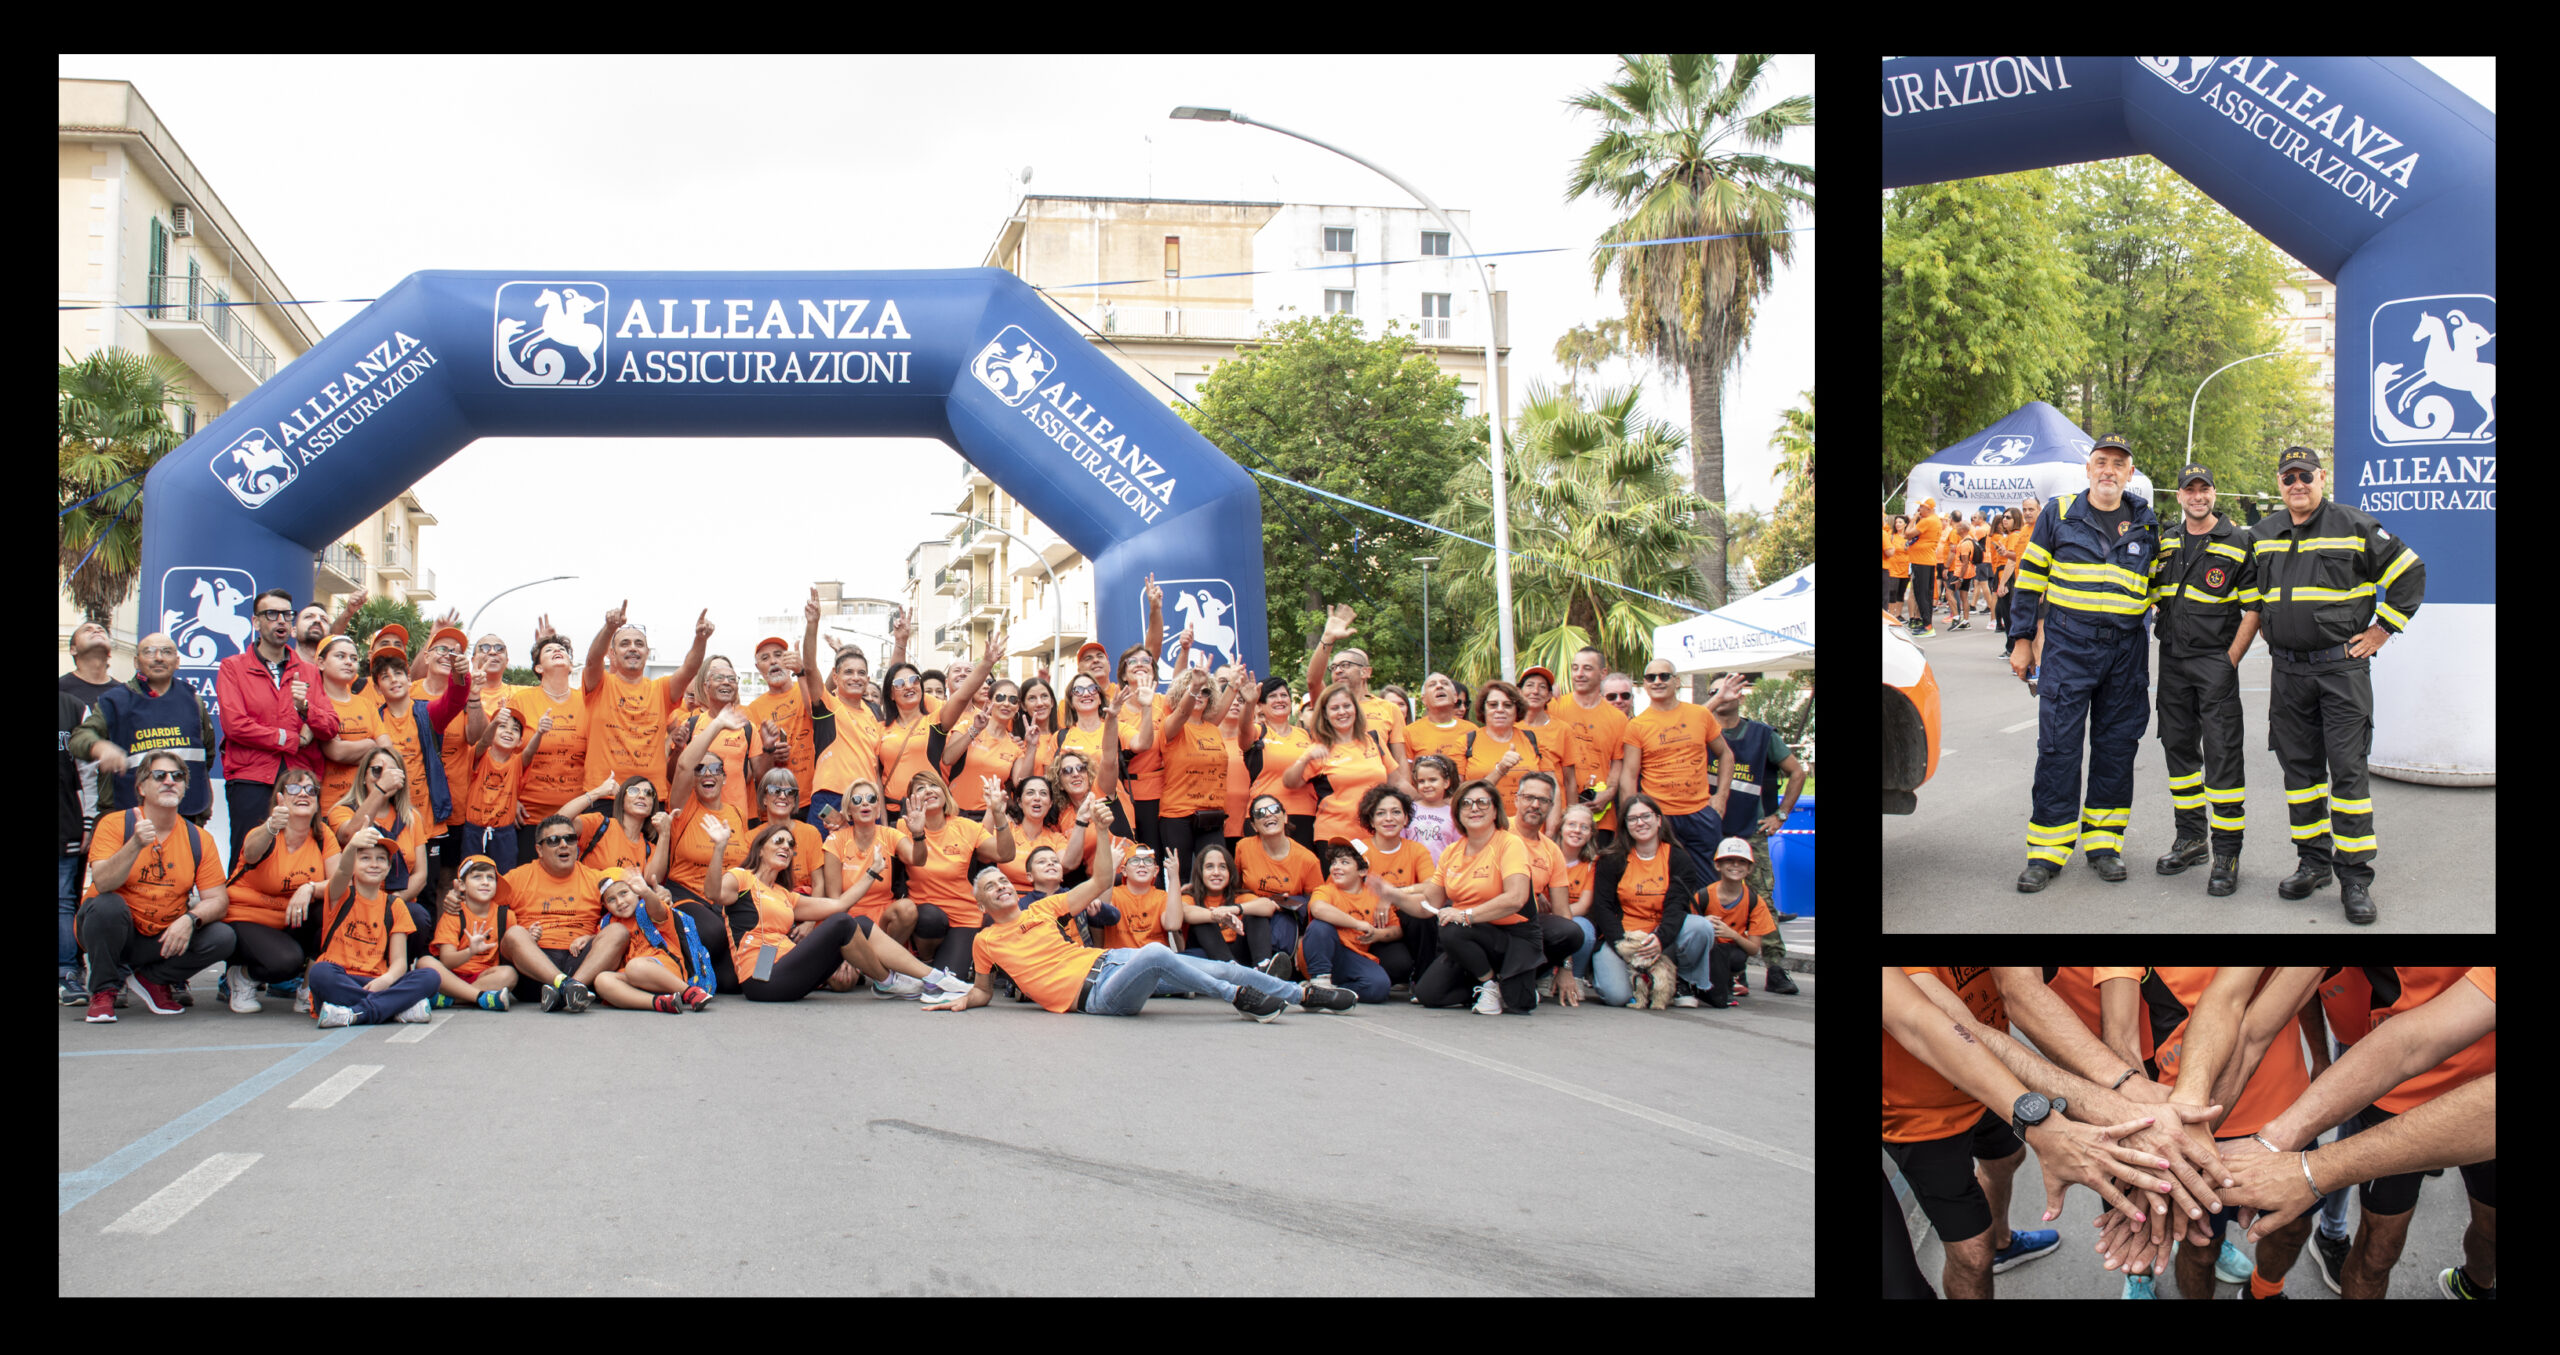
2032	1109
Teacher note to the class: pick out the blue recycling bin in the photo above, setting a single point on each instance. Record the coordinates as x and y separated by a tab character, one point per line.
1791	862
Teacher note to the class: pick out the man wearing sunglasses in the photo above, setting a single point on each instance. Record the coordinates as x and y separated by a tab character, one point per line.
1672	750
269	721
2333	587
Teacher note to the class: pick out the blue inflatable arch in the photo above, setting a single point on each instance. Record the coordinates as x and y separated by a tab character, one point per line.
2382	178
972	357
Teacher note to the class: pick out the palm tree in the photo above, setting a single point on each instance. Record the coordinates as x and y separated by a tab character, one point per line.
111	416
1593	491
1667	157
1793	437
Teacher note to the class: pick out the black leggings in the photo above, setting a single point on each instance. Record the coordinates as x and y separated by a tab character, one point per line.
1302	830
1186	834
951	944
273	954
1467	951
714	931
1252	948
810	962
1150	829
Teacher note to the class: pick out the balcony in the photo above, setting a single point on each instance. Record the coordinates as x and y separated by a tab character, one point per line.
341	570
952	581
424	588
184	313
974	478
392	562
977	541
1033	633
1053	550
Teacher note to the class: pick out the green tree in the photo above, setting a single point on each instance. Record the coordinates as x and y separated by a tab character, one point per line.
1593	492
1582	349
1672	154
1786	545
2174	287
111	422
1318	401
1982	310
378	612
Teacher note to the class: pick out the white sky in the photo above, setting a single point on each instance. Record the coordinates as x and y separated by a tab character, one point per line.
350	173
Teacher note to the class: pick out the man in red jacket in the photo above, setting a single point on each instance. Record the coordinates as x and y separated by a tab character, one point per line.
269	719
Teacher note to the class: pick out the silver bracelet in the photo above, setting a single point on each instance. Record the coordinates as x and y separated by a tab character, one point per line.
2120	1081
2262	1142
2306	1175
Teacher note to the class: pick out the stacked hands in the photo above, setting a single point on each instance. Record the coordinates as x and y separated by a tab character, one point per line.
2130	1147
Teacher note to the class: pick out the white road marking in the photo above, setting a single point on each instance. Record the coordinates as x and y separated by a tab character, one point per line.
2022	724
1668	1121
412	1034
334	1090
173	1200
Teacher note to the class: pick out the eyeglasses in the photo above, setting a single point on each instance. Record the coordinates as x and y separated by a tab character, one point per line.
166	774
862	799
792	791
555	840
1618	696
433	649
902	682
488	649
1652	678
1274	812
275	614
300	792
1083	691
1478	802
1536	799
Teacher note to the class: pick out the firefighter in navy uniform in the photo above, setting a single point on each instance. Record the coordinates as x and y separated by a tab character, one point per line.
2333	586
2202	573
2086	573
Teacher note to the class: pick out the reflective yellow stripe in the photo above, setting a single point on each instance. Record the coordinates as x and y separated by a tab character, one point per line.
2037	832
2353	543
2101	842
2096	602
2194	801
2235	823
2213	598
2030	583
2112	817
2398	619
2037	555
2320	829
2306	593
2226	797
2363	806
2056	855
2353	844
2262	547
2307	794
2398	567
2224	548
2190	779
2085	572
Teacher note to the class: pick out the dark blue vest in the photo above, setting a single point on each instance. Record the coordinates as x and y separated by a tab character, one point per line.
1752	742
139	723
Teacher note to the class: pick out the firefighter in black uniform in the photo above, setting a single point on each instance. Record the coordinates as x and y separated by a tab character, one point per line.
2333	586
2200	574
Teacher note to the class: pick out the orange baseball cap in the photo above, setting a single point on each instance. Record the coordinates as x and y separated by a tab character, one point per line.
1093	645
1540	672
393	638
453	633
770	640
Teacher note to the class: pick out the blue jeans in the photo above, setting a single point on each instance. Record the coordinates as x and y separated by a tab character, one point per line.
1130	977
1347	968
329	983
1582	957
2333	1206
68	954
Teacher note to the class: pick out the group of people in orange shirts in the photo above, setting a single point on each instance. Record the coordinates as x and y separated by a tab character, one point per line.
1952	561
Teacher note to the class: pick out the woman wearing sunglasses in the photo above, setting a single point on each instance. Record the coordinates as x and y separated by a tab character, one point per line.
989	747
904	735
1478	896
1091	732
290	849
1194	806
867	852
1277	742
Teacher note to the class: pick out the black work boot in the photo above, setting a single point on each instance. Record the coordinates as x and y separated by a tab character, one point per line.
2226	876
2185	852
2109	865
2037	875
2359	900
2309	876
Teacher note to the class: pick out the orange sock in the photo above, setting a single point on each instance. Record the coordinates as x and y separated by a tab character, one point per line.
2260	1287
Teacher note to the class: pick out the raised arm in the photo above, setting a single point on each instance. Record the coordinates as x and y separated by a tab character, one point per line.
2397	1050
592	677
1155	617
967	692
1337	628
692	665
813	697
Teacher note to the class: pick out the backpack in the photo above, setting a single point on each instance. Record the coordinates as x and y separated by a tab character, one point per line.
389	902
195	842
1523	730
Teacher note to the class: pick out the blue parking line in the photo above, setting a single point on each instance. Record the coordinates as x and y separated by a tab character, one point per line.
189	1049
80	1185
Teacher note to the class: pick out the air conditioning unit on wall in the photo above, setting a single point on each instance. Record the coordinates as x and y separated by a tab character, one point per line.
182	221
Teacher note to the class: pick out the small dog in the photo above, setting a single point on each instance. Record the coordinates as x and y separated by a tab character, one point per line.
1654	983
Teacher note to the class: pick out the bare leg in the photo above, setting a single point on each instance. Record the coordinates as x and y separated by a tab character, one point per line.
1995	1175
635	987
522	949
446	982
898	920
2277	1251
2376	1250
603	953
2480	1246
878	957
493	978
1967	1274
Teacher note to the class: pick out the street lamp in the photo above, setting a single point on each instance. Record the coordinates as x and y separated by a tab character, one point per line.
1058	602
1492	369
475	616
1426	561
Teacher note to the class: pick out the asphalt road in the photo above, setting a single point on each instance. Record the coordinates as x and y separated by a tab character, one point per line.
1952	865
845	1145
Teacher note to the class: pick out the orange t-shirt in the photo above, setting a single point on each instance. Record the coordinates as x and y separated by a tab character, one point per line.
852	861
2078	987
1423	738
774	905
853	753
2419	986
360	946
1141	920
1747	914
1358	903
992	753
457	748
1259	875
1676	745
943	880
459	930
689	852
638	949
1924	546
1351	769
558	772
559	909
356	723
1599	738
1195	769
489	797
410	843
160	881
808	853
733	747
1145	777
263	891
2346	998
1044	964
1385	715
1897	554
893	735
788	711
1470	877
2281	1077
1920	1104
1546	867
397	722
1025	841
614	850
1547	756
1239	791
1281	746
1404	863
1641	887
626	729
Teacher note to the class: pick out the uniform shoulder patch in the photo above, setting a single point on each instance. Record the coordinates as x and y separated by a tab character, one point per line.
2385	535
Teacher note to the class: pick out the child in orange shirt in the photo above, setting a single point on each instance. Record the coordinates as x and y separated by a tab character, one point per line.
465	960
363	977
489	797
1346	922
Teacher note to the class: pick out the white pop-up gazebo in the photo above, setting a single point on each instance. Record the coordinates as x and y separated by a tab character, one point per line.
1769	631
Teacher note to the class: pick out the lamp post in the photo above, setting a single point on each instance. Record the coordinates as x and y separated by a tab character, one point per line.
475	616
2191	401
1057	602
1426	561
1493	403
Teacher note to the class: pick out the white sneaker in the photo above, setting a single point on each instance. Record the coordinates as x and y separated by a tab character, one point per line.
331	1014
899	985
1320	981
244	994
1489	998
946	982
1686	1000
1546	985
302	999
416	1014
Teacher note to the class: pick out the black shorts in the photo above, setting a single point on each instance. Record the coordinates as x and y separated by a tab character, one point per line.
1941	1174
2399	1194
